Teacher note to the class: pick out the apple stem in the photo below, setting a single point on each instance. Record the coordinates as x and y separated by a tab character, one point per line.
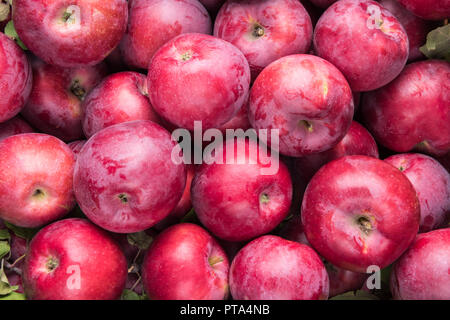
214	260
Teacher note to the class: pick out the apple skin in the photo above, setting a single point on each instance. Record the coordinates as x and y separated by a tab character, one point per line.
423	126
359	211
76	146
239	121
15	78
307	99
65	246
432	184
415	27
36	171
368	58
185	263
422	272
285	28
54	105
13	127
119	98
79	41
152	23
428	9
272	268
197	77
125	180
357	141
234	200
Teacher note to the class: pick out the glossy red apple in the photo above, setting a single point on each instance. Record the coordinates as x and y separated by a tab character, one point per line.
422	272
185	263
235	199
74	260
265	30
364	41
82	33
154	22
120	97
428	9
432	184
36	174
14	126
359	211
54	106
423	125
15	78
197	77
272	268
125	180
307	99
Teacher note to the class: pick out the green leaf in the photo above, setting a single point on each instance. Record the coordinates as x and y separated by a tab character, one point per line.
191	216
4	248
24	233
5	287
11	32
13	296
131	295
355	295
140	239
438	44
4	234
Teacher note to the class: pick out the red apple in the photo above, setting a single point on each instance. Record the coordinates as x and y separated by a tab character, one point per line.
239	121
196	77
121	97
265	30
154	22
307	99
14	126
235	199
432	184
74	260
70	34
422	273
363	40
428	9
15	78
36	173
272	268
424	124
54	106
76	146
359	211
125	180
185	263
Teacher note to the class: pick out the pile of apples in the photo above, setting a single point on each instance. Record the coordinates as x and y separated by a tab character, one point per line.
93	205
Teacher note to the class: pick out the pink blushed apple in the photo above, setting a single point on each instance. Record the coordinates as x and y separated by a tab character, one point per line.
185	263
432	184
364	41
72	259
15	78
359	211
36	174
272	268
154	22
307	99
125	180
82	33
197	77
13	127
119	98
265	30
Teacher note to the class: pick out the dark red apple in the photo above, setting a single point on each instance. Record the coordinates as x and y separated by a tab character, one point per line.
197	77
359	211
272	268
185	263
363	40
13	127
428	9
70	34
125	180
265	30
74	260
412	112
36	174
307	99
323	3
154	22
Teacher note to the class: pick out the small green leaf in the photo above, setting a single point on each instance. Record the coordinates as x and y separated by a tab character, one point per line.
191	216
140	239
13	296
438	44
4	248
130	295
4	234
24	233
5	287
355	295
11	32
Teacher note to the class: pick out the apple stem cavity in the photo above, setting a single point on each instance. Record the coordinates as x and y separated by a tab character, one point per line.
38	194
308	125
264	198
78	90
52	264
258	31
186	56
364	224
123	197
